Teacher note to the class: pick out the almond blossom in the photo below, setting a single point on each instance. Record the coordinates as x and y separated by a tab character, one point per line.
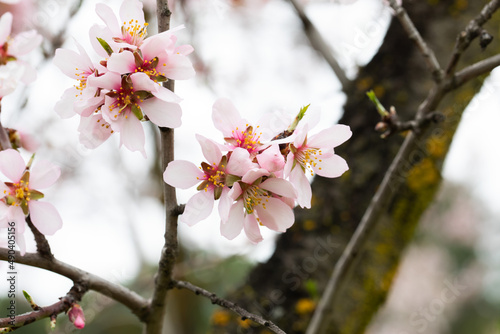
124	89
76	316
12	69
259	200
315	155
19	196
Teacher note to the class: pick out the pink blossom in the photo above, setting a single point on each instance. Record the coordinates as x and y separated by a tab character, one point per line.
259	200
129	99
12	69
76	316
236	130
211	180
20	197
315	155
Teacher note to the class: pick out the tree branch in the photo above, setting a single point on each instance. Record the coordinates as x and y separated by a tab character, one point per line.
74	295
121	294
42	245
474	70
320	44
229	305
163	279
414	35
473	29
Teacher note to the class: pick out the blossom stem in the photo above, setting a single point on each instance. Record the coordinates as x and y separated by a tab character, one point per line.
163	280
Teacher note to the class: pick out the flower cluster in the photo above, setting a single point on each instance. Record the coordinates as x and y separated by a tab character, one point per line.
12	69
123	89
19	196
257	180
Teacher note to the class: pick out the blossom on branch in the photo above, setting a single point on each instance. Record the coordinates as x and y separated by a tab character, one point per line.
19	196
13	70
260	179
125	88
76	316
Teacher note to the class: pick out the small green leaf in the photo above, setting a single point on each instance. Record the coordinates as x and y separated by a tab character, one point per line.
380	108
298	118
231	179
35	195
105	46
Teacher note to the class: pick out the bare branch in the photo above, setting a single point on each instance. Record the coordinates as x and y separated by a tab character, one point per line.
414	35
163	279
319	44
121	294
74	295
42	245
473	30
229	305
474	70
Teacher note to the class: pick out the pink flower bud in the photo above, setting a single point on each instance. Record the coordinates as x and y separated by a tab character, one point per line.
75	315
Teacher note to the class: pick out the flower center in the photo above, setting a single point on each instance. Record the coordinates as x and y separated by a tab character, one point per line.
309	158
247	139
133	32
254	196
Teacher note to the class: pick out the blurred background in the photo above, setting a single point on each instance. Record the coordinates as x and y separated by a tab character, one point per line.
254	52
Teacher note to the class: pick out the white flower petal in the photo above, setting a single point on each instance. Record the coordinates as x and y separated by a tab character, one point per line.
277	215
198	208
333	166
12	164
211	151
331	137
301	183
279	187
45	217
226	118
161	113
233	226
182	174
43	174
252	229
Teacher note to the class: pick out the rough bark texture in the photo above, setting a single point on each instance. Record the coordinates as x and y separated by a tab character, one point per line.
283	288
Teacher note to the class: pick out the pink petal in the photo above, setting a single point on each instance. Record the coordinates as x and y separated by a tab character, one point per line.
132	134
92	131
5	27
104	33
300	136
43	174
15	214
331	167
178	67
182	174
210	150
252	229
277	215
12	164
184	49
289	164
235	191
45	217
232	228
166	95
279	187
109	80
240	163
301	183
226	118
198	207
132	10
161	113
4	191
156	45
253	175
64	107
24	43
271	159
109	18
123	62
225	202
331	137
21	243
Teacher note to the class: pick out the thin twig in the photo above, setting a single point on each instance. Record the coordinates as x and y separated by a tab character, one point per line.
475	70
121	294
414	35
229	305
74	295
163	280
42	245
472	30
320	44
